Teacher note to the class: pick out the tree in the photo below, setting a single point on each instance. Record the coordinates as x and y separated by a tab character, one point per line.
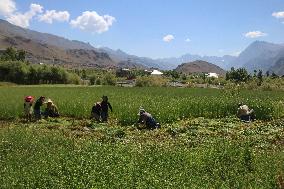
267	74
12	54
172	73
255	72
239	75
204	77
260	78
93	79
33	75
9	54
84	74
274	76
109	79
183	77
21	55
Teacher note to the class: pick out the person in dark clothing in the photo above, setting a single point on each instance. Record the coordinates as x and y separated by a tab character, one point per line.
96	111
37	106
105	105
147	120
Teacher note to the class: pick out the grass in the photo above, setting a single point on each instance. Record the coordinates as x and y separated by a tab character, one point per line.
201	143
166	104
198	153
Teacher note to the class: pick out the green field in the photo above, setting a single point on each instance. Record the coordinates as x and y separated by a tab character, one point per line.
201	144
166	104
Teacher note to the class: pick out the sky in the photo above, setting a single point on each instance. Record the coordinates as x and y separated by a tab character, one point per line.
154	28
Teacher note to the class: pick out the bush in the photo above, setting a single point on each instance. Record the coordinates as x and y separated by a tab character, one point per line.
93	79
109	79
142	82
98	81
152	81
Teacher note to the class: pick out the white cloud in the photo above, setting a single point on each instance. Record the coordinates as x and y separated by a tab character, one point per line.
35	8
168	38
52	15
7	7
255	34
187	40
23	19
236	53
278	14
91	21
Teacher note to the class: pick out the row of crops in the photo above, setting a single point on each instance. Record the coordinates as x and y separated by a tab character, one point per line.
166	104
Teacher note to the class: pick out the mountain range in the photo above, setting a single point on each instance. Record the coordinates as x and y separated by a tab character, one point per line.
48	48
260	55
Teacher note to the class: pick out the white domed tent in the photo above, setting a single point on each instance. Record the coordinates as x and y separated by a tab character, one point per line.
214	75
156	72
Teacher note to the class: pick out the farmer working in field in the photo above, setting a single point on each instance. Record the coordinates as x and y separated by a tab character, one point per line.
104	108
244	113
147	120
96	111
37	106
28	108
51	109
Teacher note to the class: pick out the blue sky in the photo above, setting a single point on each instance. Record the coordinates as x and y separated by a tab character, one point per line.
155	28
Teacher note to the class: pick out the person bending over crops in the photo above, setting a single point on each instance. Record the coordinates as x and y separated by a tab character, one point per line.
28	108
147	120
51	109
104	108
96	111
245	113
37	106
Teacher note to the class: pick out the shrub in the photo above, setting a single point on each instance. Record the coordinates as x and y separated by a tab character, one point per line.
152	81
93	79
109	79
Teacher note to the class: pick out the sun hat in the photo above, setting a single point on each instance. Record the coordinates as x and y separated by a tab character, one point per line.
49	101
29	98
240	104
141	111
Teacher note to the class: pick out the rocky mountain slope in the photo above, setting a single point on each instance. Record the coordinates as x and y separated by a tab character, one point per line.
278	67
199	66
259	55
222	62
135	61
11	30
51	49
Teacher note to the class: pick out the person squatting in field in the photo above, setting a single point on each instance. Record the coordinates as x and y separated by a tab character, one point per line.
37	106
96	111
51	109
100	110
245	113
28	108
105	105
147	120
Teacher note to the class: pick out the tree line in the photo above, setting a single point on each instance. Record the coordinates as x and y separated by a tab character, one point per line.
14	68
242	75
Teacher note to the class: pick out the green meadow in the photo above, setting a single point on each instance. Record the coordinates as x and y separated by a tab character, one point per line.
201	143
